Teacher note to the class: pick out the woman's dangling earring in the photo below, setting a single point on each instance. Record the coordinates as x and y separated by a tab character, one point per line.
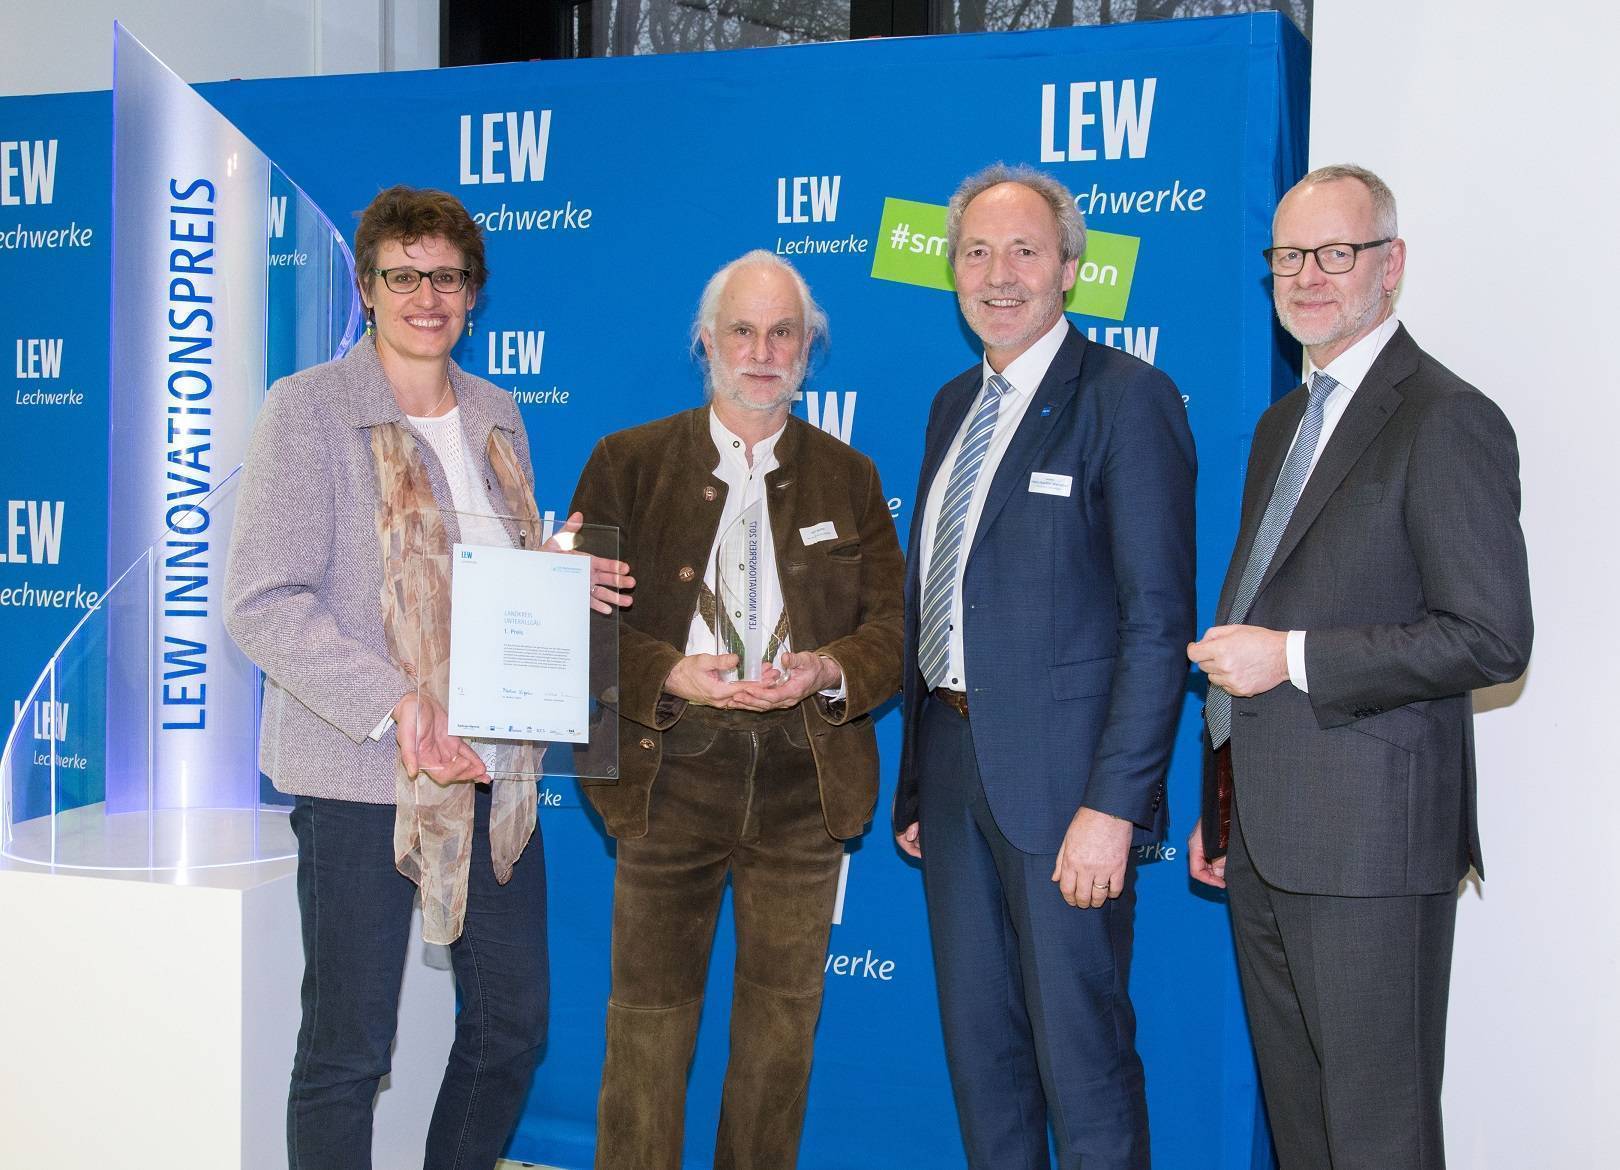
371	321
469	326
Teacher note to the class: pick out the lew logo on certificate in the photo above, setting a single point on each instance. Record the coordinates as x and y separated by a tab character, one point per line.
519	644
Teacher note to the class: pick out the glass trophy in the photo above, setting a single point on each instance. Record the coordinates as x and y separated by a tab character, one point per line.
509	657
270	289
735	607
137	748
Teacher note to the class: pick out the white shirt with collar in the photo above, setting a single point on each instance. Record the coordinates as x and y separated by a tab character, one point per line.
745	486
1024	374
1349	370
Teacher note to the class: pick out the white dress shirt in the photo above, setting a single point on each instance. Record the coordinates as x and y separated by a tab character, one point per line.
1024	375
745	486
1349	369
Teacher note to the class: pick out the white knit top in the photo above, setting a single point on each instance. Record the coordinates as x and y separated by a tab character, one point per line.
468	494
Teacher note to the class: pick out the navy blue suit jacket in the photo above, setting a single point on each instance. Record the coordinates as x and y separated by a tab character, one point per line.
1077	610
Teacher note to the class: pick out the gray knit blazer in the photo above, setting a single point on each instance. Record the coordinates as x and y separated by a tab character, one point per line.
304	577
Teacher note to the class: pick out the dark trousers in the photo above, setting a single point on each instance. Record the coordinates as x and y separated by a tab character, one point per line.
356	912
1033	993
736	793
1346	1000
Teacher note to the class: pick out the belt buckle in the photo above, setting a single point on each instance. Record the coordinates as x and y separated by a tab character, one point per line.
955	700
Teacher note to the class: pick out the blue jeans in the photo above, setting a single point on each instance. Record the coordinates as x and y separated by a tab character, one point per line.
356	913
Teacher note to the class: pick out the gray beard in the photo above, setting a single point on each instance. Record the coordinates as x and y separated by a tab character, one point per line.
1363	315
721	383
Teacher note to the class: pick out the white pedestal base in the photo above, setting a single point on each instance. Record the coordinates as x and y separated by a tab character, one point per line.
149	1019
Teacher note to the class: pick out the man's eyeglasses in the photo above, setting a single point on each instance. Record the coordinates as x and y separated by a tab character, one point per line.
405	280
1333	259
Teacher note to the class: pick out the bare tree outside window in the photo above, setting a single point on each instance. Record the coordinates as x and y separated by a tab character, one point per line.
1008	15
621	28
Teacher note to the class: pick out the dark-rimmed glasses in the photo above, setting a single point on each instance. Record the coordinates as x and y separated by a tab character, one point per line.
406	280
1333	259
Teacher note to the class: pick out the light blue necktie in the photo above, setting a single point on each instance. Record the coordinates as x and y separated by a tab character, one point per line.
1296	469
934	637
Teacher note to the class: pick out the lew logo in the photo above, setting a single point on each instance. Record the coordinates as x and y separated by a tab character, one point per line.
278	216
830	411
522	136
39	357
516	351
1142	343
33	532
27	172
50	719
1125	120
816	195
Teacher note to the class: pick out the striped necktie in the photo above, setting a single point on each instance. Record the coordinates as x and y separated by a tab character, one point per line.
939	591
1296	469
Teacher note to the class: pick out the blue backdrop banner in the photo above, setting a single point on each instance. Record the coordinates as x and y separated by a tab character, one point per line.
610	190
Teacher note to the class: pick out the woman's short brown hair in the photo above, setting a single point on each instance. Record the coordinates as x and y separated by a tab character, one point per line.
407	214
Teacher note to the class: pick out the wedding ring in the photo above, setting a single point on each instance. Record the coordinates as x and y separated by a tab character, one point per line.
1099	885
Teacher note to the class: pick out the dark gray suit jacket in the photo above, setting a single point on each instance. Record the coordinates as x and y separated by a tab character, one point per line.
1404	564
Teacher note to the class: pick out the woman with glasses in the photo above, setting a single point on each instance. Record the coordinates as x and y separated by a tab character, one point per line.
360	474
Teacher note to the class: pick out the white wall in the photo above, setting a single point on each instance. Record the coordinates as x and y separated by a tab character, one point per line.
53	46
1494	124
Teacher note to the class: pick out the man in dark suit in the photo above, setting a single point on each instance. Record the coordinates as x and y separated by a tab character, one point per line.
1379	576
760	776
1049	585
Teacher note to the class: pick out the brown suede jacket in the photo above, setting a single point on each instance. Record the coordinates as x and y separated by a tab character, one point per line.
655	483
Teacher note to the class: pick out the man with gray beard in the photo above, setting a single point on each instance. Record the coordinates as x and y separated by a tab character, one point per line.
765	631
1379	577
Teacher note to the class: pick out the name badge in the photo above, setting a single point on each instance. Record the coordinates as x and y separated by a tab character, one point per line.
817	533
1048	483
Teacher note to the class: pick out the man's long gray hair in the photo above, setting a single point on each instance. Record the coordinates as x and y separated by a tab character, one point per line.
815	319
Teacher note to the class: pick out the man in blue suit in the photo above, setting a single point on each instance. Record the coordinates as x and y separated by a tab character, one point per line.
1048	600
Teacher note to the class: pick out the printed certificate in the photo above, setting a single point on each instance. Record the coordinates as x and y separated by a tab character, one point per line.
519	644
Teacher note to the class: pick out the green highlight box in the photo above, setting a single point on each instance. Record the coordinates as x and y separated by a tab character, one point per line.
910	249
910	245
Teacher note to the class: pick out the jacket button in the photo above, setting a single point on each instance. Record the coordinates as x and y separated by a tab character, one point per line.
686	573
709	493
647	743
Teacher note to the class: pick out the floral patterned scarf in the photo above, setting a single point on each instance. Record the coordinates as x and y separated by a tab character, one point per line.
433	827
